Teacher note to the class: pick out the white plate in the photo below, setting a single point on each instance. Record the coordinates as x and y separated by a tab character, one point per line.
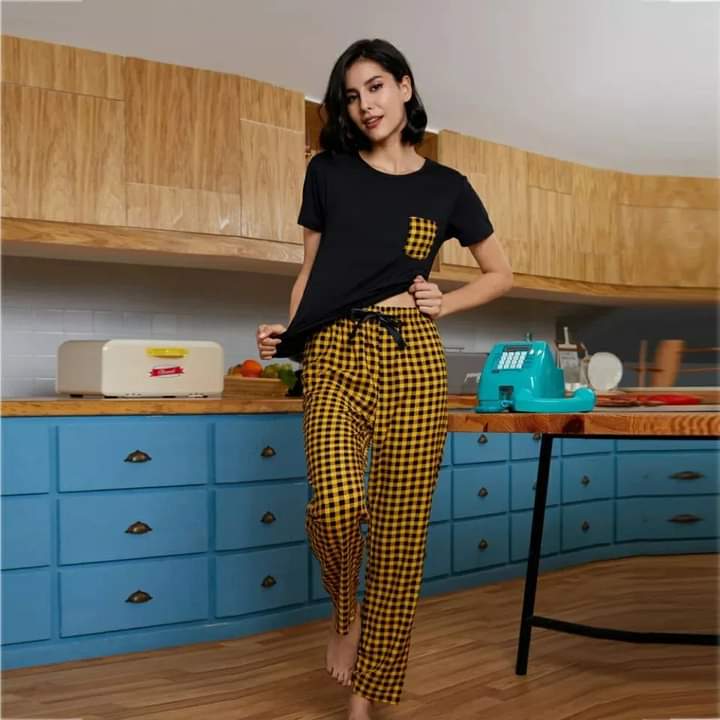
604	371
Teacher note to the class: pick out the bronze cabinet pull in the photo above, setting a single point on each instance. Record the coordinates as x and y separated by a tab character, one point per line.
139	596
585	480
268	518
585	526
482	439
536	436
267	452
687	475
268	581
685	519
535	486
138	528
482	492
483	544
138	456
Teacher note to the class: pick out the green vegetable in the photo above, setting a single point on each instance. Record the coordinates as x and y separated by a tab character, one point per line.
287	375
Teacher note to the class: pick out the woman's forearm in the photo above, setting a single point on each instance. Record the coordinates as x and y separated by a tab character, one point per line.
487	287
297	293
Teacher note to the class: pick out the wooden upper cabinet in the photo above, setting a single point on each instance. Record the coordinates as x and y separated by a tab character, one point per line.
499	175
213	152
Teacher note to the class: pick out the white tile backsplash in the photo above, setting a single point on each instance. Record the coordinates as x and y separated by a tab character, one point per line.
45	302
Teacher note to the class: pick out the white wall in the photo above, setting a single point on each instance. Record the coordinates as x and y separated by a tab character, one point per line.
45	302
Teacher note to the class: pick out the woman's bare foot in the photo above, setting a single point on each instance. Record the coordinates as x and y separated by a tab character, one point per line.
342	650
359	708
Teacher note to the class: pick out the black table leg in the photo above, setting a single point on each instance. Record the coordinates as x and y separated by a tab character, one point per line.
533	563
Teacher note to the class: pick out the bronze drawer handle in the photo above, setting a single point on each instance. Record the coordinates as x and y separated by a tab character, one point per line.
267	451
139	596
138	456
685	519
482	439
268	518
268	581
536	436
687	475
482	492
585	526
585	480
483	544
534	486
138	528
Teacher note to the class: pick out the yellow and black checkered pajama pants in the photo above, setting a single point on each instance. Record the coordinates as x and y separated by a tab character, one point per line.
376	378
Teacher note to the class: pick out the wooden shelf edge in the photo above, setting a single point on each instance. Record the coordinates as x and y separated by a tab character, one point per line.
577	291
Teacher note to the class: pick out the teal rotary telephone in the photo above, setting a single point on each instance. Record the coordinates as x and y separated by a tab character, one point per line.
523	377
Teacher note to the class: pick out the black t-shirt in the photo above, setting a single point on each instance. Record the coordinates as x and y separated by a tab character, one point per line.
379	231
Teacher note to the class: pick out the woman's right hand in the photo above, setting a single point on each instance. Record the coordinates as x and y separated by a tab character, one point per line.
266	340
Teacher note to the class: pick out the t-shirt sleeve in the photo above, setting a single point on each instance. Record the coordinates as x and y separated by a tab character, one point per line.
312	209
469	221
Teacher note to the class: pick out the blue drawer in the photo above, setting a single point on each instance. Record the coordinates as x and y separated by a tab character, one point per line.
437	558
25	531
527	445
94	599
260	515
318	591
588	478
480	447
480	543
676	518
261	580
98	455
26	453
520	525
25	606
587	524
582	446
441	499
679	473
480	490
628	445
522	484
267	447
95	527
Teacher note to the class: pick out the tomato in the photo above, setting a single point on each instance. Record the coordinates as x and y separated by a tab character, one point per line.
251	368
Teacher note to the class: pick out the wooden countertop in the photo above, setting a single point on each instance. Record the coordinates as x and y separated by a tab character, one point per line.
462	417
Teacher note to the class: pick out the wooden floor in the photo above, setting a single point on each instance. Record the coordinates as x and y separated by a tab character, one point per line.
461	664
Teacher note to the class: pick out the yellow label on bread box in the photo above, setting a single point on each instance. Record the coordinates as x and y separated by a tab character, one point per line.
166	352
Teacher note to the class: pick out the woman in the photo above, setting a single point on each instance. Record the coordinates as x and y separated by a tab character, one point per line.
363	317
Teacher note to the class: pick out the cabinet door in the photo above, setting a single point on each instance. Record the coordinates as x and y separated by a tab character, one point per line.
63	156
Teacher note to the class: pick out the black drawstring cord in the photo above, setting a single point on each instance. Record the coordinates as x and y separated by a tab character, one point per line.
389	322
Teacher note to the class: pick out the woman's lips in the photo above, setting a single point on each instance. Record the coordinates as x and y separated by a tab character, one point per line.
373	123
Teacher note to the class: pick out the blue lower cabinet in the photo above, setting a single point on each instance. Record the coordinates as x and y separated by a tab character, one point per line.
588	478
117	526
667	518
27	449
261	580
26	523
118	596
480	447
520	527
441	498
259	447
481	490
527	446
437	558
479	543
679	473
584	446
26	613
587	524
522	484
447	451
650	445
260	515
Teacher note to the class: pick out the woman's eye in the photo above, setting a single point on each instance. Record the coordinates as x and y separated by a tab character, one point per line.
375	87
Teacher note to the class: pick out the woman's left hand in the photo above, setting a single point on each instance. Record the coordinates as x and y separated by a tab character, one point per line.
428	297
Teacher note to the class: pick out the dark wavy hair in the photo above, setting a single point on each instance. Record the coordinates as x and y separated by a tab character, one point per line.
339	132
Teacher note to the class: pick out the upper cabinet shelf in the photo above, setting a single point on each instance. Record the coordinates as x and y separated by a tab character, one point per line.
124	159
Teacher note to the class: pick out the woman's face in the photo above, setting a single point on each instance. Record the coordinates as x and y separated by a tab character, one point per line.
375	101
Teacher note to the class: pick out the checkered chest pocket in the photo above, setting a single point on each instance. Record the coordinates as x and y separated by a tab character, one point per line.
420	237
